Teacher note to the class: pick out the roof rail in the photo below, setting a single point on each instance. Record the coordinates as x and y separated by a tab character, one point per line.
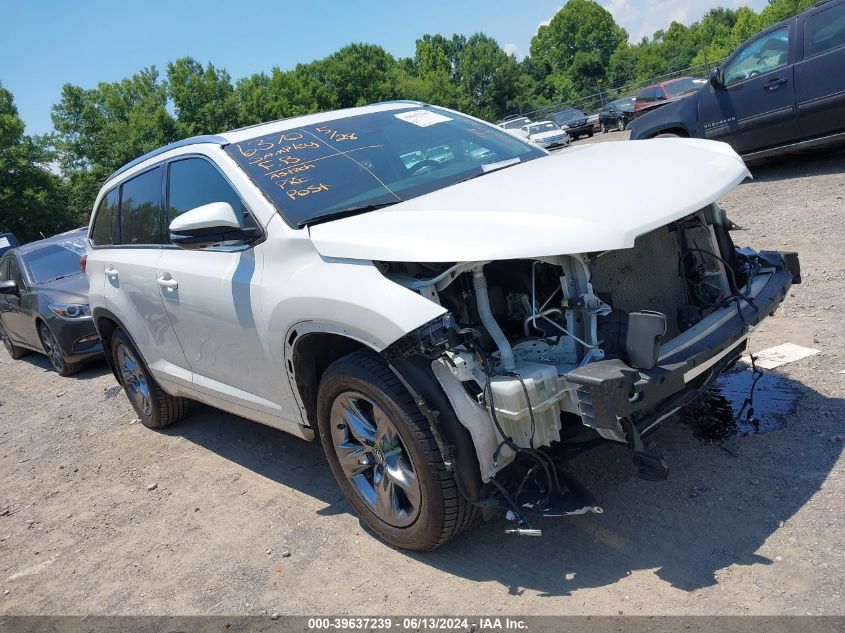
193	140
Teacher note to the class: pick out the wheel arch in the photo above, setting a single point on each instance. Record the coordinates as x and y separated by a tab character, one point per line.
105	322
309	350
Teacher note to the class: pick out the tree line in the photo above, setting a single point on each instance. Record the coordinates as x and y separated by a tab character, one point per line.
48	183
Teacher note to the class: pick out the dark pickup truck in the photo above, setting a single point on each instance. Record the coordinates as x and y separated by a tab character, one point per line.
783	90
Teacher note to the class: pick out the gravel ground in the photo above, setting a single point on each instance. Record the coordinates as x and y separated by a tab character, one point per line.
219	515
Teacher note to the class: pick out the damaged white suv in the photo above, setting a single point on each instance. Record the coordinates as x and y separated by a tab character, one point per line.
451	328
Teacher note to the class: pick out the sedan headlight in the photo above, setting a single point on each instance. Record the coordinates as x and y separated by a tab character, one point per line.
70	311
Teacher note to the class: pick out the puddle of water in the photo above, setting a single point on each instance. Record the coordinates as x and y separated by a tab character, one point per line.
719	413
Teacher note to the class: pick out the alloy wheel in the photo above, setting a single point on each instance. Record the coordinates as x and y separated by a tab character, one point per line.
374	459
52	349
620	125
134	380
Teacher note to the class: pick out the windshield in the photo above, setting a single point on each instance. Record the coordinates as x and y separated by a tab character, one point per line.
546	126
570	114
625	105
683	86
515	123
56	260
354	164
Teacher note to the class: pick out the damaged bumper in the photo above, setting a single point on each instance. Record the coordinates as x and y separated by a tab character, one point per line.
609	391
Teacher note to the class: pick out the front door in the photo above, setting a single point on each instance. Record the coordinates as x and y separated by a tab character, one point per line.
212	298
756	107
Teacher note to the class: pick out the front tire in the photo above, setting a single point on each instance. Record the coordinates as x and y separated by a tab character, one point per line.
155	407
603	128
54	352
620	125
384	457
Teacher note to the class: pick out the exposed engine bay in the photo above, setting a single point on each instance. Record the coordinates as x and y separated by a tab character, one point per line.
546	352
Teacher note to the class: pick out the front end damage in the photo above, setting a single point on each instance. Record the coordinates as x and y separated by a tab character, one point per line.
538	358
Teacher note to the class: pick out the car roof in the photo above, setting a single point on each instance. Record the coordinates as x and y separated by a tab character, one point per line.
271	127
55	239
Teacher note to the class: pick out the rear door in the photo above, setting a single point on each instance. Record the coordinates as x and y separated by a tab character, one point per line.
820	77
212	297
756	108
133	219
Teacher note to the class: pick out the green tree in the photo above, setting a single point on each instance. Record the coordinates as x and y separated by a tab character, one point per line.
581	26
99	129
32	199
204	98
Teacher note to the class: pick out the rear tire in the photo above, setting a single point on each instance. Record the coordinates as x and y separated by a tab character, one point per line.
14	351
384	457
54	352
155	407
590	134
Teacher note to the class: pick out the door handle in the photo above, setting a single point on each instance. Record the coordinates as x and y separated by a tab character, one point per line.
166	281
774	84
111	271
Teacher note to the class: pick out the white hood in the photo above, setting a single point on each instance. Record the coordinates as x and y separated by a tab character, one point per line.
591	198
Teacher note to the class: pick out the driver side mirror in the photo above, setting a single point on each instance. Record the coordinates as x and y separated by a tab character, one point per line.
716	79
209	224
9	287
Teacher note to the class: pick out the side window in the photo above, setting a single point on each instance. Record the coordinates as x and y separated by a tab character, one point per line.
15	272
765	54
140	209
193	182
104	232
824	31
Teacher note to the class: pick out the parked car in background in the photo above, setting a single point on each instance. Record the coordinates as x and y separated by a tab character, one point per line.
574	122
782	90
7	241
514	123
433	325
547	134
616	114
659	94
44	302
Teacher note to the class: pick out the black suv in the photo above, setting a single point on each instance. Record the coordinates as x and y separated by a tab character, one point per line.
574	122
782	90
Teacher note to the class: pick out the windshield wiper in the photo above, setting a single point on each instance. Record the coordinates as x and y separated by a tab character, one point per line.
345	213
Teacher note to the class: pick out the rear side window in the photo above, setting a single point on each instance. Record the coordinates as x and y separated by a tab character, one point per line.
824	31
194	182
104	232
140	209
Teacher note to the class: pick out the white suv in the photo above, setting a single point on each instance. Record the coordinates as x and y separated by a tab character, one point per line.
448	328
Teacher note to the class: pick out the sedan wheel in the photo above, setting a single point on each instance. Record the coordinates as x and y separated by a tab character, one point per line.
603	127
53	351
620	125
374	459
14	351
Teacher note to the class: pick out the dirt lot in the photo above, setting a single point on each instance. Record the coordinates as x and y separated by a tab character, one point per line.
219	515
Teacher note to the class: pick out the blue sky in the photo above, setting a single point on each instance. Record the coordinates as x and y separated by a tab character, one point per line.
47	44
